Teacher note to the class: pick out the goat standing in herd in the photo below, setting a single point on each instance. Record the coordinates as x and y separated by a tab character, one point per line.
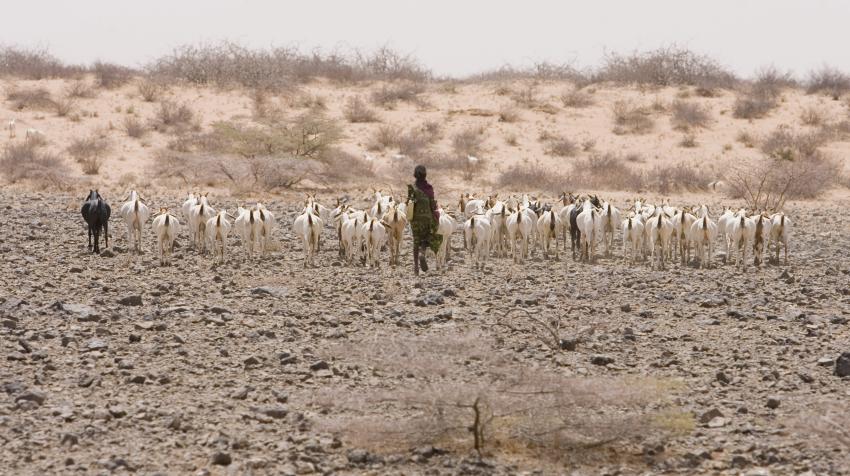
96	214
135	214
165	226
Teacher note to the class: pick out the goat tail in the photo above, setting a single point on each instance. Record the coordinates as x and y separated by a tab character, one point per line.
310	219
136	206
518	217
218	221
659	221
551	220
250	218
371	225
630	223
742	222
782	220
166	220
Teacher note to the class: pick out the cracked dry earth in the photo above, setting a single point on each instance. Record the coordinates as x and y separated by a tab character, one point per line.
112	364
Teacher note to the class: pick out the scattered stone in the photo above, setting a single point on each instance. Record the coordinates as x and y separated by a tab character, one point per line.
117	411
241	393
132	300
86	380
842	365
601	360
710	415
220	310
320	365
717	422
626	307
277	412
358	456
825	361
107	254
278	292
221	458
82	312
251	361
135	338
96	344
723	378
773	403
138	379
31	396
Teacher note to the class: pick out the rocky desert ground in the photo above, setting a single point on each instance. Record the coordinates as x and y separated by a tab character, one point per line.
112	363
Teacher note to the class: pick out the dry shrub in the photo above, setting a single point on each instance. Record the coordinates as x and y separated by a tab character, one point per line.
588	145
606	171
64	106
134	127
503	90
469	167
666	66
512	139
688	115
630	119
385	136
508	114
675	179
501	407
28	162
172	118
762	95
794	168
829	81
812	116
532	176
357	111
30	98
151	90
468	141
688	141
390	94
576	99
34	63
110	75
747	139
540	71
89	152
343	167
561	147
526	97
80	89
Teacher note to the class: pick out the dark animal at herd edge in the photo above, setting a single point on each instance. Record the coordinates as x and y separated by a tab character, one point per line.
96	214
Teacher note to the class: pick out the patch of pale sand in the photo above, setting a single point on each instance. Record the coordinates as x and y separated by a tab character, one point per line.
471	106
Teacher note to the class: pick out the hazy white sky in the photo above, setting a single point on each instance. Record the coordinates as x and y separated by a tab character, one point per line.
450	36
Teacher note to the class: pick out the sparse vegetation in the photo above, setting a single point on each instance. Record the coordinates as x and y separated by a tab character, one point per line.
468	141
762	95
747	139
689	140
357	111
388	95
110	75
666	66
561	147
630	119
527	96
385	136
134	127
576	99
30	98
80	89
34	63
151	90
829	81
28	162
812	116
64	106
172	118
89	152
689	115
508	114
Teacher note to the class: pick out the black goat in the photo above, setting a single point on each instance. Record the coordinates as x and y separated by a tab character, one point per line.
96	214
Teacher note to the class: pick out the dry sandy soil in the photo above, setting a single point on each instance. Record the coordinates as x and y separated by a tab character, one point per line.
113	364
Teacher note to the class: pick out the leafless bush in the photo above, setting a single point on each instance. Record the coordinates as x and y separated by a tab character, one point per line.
561	147
150	90
452	162
342	167
688	115
542	71
828	80
676	178
812	116
27	162
630	119
666	66
34	63
390	94
500	407
468	141
526	97
64	106
413	144
747	139
80	89
89	152
689	140
784	143
762	95
357	111
752	107
512	139
576	99
532	176
508	114
606	171
385	136
172	117
110	75
30	98
588	145
134	127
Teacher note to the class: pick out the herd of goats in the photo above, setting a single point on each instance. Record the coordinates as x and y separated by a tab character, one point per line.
515	226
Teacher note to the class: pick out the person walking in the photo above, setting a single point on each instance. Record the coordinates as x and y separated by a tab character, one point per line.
425	218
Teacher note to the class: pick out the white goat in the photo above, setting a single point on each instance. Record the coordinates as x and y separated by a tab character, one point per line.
469	205
445	228
165	226
198	218
701	234
724	229
659	229
589	224
248	227
741	233
476	233
395	221
780	233
632	235
519	227
190	202
610	218
547	228
135	213
33	135
498	226
761	237
308	227
266	226
351	233
682	222
217	229
375	235
11	128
